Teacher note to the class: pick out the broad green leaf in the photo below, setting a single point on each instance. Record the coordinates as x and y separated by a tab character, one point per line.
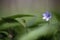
44	30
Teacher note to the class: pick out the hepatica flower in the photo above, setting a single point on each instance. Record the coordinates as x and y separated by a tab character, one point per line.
46	16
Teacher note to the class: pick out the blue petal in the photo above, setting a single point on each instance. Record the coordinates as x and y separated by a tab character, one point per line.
47	14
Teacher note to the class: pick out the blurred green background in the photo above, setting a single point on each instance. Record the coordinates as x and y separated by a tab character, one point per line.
11	7
34	7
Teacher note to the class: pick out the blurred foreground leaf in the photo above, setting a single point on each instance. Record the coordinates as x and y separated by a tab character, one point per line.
45	30
19	16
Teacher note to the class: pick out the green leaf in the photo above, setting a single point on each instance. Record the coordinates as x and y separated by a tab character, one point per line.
37	24
44	30
35	21
19	16
12	19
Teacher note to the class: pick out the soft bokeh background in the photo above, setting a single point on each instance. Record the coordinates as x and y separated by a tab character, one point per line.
11	7
36	7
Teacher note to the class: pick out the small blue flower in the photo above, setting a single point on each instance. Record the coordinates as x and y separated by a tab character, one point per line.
47	16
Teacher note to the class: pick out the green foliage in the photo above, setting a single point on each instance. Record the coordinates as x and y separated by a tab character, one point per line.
42	29
35	29
9	24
